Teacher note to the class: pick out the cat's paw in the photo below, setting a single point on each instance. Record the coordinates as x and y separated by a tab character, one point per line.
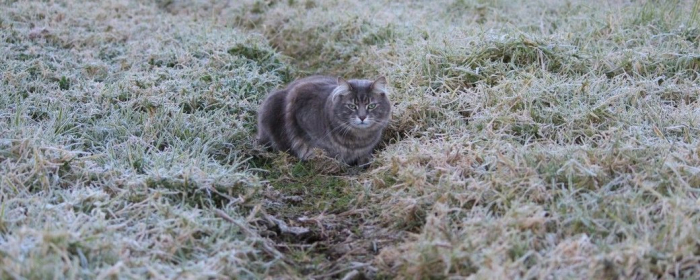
322	163
364	162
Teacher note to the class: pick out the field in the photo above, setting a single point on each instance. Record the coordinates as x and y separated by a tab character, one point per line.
537	139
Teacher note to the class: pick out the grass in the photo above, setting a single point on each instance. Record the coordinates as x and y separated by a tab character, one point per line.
529	139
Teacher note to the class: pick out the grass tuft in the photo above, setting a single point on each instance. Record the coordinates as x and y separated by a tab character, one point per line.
529	139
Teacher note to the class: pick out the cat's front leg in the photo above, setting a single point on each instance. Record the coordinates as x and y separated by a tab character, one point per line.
302	150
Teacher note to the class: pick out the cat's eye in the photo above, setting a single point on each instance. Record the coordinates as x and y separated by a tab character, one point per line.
352	106
372	106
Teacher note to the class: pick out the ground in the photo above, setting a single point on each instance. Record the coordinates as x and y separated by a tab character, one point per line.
530	139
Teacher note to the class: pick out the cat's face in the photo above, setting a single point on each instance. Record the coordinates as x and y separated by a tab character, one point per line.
362	104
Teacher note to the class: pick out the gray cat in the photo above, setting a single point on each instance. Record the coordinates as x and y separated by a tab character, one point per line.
344	118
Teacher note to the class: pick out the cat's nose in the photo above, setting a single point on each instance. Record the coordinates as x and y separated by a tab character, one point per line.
362	118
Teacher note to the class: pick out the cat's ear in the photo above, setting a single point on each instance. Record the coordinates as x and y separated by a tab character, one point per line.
343	88
379	85
343	83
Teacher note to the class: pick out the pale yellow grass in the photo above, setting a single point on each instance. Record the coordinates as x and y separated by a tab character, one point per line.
530	139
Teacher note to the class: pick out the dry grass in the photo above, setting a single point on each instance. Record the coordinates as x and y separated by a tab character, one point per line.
530	139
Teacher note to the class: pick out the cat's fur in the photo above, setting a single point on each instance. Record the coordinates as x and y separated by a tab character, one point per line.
326	113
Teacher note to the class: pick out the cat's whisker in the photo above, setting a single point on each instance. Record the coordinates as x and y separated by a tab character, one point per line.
341	126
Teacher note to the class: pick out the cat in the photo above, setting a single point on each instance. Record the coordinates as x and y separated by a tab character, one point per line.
344	118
